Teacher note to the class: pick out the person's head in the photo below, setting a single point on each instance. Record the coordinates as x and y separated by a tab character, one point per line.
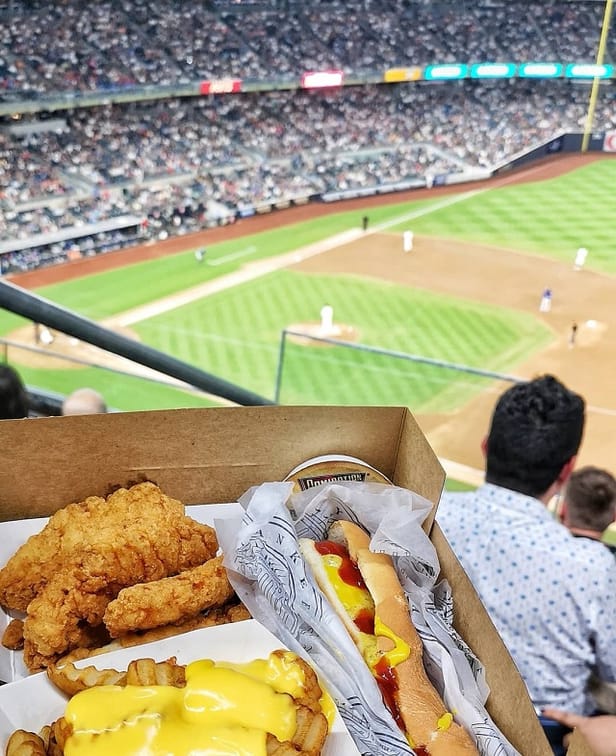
589	500
13	395
84	401
535	434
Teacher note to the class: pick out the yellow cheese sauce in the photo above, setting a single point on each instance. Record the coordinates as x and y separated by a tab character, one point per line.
355	599
224	709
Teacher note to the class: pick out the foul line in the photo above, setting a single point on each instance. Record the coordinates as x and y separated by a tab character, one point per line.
263	267
248	273
232	256
453	200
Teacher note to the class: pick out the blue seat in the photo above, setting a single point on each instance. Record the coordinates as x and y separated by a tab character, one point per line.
555	732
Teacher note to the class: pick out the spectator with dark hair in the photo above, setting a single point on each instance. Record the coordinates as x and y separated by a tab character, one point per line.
13	395
552	597
588	506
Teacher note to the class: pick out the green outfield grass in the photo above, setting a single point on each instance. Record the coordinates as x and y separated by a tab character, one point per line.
235	334
239	332
610	536
552	217
457	486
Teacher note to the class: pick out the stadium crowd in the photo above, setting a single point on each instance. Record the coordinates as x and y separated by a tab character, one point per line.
180	164
78	45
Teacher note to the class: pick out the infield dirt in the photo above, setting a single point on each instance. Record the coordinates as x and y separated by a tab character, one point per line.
469	270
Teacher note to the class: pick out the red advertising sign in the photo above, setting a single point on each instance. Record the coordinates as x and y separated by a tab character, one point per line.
609	141
314	79
220	86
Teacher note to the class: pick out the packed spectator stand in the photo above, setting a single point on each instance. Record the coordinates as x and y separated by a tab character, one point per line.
172	164
77	45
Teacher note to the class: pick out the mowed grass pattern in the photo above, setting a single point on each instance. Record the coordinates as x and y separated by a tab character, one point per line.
552	217
239	333
236	334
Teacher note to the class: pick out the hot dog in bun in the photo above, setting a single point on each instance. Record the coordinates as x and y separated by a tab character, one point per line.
365	591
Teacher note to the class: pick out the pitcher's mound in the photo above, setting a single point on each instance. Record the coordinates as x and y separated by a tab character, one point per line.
309	333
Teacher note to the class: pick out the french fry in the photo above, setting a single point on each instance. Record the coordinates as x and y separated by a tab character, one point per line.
60	732
45	735
24	743
311	731
70	679
307	740
311	695
148	672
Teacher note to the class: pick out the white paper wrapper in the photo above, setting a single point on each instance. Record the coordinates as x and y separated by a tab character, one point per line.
31	703
15	533
270	576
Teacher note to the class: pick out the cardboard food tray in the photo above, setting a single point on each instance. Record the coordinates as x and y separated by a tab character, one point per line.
214	455
238	642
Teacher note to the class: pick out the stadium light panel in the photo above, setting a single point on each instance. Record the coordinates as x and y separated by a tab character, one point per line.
493	70
540	70
445	71
589	71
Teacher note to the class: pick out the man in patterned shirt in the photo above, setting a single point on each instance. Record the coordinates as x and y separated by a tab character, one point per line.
551	596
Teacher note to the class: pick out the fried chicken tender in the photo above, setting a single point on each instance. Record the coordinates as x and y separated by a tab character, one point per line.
95	533
135	535
220	615
29	568
170	600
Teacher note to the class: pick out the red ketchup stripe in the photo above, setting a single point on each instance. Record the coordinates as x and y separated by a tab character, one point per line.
364	620
387	681
349	572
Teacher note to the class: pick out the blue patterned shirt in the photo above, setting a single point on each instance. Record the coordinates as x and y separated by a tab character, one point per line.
551	596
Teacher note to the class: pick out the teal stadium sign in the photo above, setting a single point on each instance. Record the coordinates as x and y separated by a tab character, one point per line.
453	71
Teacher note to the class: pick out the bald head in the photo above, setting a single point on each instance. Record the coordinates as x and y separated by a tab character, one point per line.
84	401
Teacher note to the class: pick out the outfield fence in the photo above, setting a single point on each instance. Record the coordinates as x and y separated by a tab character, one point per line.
358	374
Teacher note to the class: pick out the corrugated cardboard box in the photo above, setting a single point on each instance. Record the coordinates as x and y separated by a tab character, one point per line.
214	455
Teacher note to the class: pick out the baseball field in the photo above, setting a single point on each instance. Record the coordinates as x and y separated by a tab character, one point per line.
468	293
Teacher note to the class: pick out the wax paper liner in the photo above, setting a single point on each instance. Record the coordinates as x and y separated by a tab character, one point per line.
271	578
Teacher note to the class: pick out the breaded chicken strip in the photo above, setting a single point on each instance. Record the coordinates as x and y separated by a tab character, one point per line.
140	535
31	565
170	600
111	538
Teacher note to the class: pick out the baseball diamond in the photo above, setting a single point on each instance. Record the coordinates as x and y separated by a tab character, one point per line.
483	295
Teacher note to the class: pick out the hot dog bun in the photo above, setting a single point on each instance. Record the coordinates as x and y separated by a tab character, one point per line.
366	585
